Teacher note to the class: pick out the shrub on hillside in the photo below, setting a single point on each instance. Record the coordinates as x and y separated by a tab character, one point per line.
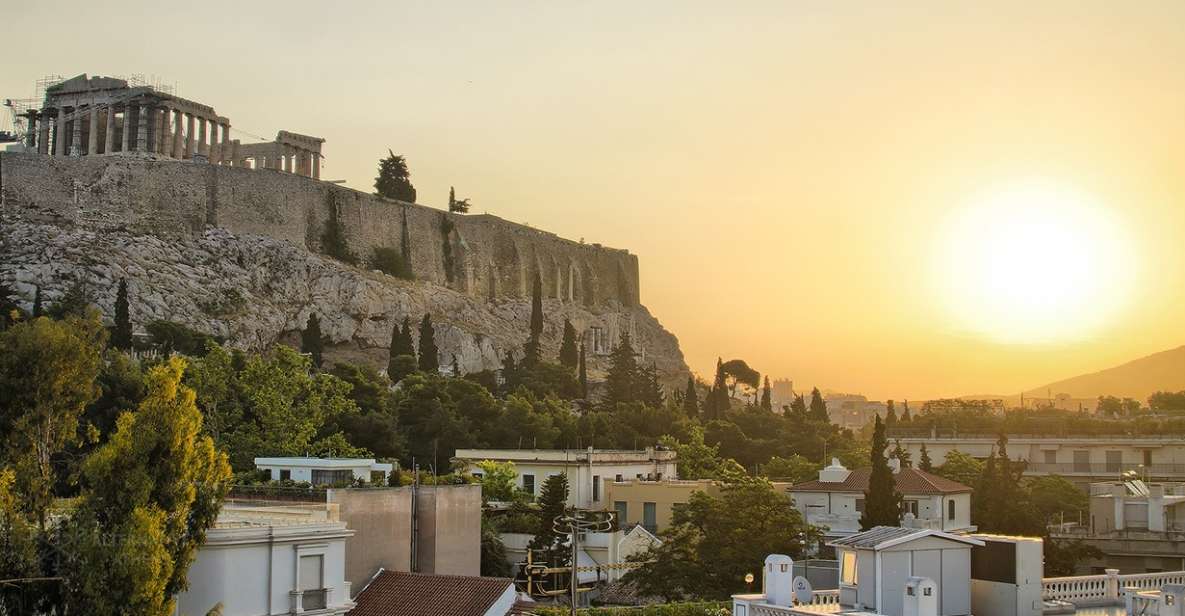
390	262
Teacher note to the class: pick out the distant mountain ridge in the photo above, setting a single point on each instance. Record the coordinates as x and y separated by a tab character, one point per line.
1140	378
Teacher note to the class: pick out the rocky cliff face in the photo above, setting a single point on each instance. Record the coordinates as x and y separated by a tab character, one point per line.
255	290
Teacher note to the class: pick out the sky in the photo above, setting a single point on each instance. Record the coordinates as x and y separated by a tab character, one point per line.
901	199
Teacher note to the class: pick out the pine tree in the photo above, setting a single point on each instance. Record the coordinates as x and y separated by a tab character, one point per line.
882	501
691	399
648	388
798	408
121	335
924	463
553	502
569	355
901	453
394	180
37	309
429	354
818	407
767	401
622	380
457	206
905	412
310	339
582	374
890	416
531	348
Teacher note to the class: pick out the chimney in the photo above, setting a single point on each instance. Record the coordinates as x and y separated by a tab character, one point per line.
895	465
835	473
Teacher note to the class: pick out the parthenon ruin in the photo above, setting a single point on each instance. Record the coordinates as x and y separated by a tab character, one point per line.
86	116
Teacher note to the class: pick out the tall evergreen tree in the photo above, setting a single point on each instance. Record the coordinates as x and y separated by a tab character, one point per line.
905	412
882	501
311	341
582	374
798	407
429	354
691	399
1002	505
37	308
569	354
924	462
531	352
394	180
622	380
901	453
717	403
553	502
648	388
818	407
121	335
890	416
767	401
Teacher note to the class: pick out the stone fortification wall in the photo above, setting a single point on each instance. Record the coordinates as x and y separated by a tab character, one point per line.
481	256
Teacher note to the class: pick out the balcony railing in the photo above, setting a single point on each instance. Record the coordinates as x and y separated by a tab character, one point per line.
1107	589
1103	469
822	602
310	600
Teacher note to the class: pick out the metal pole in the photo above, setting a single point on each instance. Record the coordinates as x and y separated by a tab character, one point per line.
575	548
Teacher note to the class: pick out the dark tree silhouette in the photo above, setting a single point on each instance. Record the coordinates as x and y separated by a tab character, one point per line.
394	180
310	339
882	501
429	354
121	334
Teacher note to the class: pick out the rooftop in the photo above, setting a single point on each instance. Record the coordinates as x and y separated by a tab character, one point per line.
566	455
909	481
322	462
882	537
391	593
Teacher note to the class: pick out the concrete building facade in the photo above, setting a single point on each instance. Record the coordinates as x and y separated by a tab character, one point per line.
325	471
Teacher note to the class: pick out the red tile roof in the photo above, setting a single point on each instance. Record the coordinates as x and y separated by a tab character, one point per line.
909	481
392	593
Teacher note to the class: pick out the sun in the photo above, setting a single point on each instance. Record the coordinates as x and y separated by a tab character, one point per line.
1032	262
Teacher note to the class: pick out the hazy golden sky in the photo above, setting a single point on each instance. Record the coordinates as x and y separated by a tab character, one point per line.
792	175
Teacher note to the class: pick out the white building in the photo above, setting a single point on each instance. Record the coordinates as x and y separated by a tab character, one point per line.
587	469
836	499
325	471
271	560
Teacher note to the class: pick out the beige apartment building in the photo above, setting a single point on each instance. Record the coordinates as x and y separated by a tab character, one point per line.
650	503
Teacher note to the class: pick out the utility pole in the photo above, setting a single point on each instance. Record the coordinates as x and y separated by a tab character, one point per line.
574	522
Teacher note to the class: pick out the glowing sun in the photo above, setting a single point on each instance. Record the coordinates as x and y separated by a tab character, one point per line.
1032	262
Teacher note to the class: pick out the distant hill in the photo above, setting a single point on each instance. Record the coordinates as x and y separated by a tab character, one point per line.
1164	371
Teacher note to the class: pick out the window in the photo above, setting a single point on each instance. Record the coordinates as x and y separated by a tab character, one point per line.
927	591
658	476
1147	458
332	478
312	585
650	517
848	569
596	488
529	484
859	505
1081	461
622	508
1050	457
284	474
950	509
911	506
639	477
619	479
909	591
1114	461
378	476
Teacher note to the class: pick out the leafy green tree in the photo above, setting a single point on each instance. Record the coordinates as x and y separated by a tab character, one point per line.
10	310
19	558
376	426
545	378
741	373
569	354
621	382
796	469
148	497
882	501
713	541
498	482
1056	498
311	341
1159	401
390	262
121	334
697	460
77	301
47	380
924	463
553	502
691	399
1064	557
214	378
171	337
455	205
649	389
818	410
429	354
394	179
798	407
582	374
1002	505
439	414
493	551
767	396
960	467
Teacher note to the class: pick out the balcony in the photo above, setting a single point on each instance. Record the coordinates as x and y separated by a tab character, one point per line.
1105	469
310	600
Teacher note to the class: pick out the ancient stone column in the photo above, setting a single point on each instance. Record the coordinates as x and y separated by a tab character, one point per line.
234	153
201	138
92	140
109	131
227	153
43	136
76	133
316	165
286	157
215	151
126	141
31	132
142	112
178	130
59	133
189	135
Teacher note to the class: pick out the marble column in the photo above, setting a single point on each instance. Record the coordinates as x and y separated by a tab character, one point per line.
234	152
286	156
142	112
76	133
215	151
189	135
59	133
227	151
201	137
126	141
43	136
92	140
31	129
109	131
316	165
178	131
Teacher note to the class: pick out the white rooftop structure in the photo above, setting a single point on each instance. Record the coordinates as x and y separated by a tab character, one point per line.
325	471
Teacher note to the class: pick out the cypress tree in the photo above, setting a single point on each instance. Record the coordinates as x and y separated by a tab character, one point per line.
890	416
882	501
690	399
509	372
310	339
569	355
531	347
621	383
648	388
818	407
901	453
37	310
924	463
553	502
767	400
798	407
582	374
905	412
429	354
718	401
121	335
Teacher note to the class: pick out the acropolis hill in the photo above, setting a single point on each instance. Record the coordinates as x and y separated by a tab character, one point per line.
226	239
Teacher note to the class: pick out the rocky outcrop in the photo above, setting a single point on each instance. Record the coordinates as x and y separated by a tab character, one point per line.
253	291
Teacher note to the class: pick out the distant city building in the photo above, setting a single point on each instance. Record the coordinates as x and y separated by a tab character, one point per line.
324	471
836	499
1137	527
852	411
392	593
271	559
588	470
782	392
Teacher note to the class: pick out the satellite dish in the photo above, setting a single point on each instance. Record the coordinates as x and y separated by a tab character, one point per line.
802	590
